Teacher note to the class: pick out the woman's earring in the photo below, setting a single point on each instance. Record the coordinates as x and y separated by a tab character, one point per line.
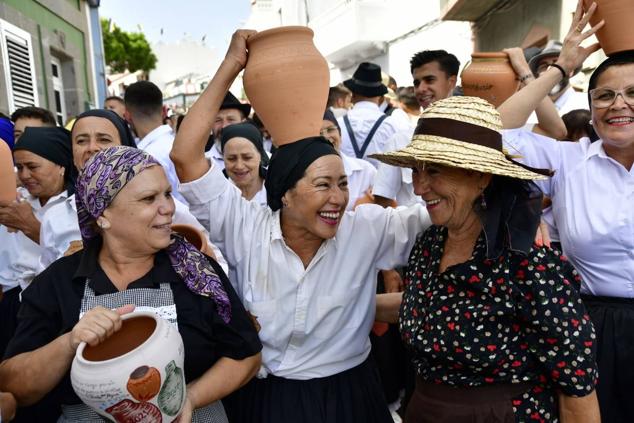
483	202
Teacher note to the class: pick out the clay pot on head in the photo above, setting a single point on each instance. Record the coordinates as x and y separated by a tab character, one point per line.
196	237
617	34
286	80
124	378
489	76
8	191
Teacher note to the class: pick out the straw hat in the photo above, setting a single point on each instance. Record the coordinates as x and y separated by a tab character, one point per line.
461	132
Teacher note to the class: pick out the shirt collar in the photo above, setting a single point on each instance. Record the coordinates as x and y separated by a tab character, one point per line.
35	202
154	135
367	105
595	149
349	164
89	268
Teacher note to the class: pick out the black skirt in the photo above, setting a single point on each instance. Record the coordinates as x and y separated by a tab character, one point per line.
351	396
613	320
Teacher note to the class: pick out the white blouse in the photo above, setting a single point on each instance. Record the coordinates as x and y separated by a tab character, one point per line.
20	257
593	208
316	320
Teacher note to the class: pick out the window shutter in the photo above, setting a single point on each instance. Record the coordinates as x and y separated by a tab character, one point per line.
17	58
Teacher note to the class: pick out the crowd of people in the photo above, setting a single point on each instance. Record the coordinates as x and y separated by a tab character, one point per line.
425	258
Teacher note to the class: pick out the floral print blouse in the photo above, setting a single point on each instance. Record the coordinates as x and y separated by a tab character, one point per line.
518	318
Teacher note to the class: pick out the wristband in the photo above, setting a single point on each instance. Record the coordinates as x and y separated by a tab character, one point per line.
564	75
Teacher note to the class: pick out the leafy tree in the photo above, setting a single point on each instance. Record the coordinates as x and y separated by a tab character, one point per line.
126	50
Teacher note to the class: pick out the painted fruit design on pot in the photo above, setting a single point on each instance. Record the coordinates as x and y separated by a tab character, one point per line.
127	411
170	398
144	383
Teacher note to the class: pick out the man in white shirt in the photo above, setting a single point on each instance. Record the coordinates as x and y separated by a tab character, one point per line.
434	73
563	95
339	100
231	111
365	129
144	113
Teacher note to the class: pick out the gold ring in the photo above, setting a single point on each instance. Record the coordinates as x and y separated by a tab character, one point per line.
579	29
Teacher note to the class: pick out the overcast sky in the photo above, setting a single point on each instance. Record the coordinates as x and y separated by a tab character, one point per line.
215	20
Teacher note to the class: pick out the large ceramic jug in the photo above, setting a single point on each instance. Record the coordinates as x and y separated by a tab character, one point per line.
617	34
286	80
136	375
489	76
7	175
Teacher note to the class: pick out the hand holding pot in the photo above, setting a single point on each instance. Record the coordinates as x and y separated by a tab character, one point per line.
97	325
238	47
572	54
519	63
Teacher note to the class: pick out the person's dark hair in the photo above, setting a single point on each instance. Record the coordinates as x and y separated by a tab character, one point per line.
618	59
578	125
145	99
115	98
33	112
179	120
408	98
446	61
336	93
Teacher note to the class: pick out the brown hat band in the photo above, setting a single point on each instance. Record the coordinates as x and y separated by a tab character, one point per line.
460	131
469	133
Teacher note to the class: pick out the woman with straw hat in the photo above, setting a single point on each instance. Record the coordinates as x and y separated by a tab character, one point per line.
495	324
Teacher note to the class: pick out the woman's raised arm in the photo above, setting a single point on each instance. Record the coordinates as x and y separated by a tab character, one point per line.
521	104
188	151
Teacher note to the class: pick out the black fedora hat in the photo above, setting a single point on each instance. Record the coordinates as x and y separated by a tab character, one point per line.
231	102
366	81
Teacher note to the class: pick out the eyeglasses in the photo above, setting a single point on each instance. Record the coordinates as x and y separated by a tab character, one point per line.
329	130
605	97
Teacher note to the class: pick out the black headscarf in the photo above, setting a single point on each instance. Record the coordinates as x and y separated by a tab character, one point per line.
125	133
330	116
247	131
54	145
288	165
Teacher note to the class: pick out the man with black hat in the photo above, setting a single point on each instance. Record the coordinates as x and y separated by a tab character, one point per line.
366	129
231	111
563	95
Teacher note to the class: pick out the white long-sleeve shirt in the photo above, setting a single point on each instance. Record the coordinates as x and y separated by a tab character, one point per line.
314	321
593	207
362	117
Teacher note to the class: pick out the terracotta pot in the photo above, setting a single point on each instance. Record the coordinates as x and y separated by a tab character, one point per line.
8	191
196	237
489	76
124	378
287	81
617	33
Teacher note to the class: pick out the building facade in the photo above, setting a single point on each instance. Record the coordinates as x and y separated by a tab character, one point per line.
51	55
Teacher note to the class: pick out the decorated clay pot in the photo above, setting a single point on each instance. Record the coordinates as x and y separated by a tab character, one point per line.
136	374
7	175
489	76
617	34
287	81
195	237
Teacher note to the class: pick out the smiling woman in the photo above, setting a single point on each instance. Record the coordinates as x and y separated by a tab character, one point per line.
305	268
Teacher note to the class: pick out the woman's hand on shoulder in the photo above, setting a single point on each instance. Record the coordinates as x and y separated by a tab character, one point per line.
238	47
97	325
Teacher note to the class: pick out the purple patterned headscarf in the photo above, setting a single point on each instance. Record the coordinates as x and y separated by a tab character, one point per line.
104	175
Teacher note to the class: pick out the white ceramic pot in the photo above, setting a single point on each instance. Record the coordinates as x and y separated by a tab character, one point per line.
136	375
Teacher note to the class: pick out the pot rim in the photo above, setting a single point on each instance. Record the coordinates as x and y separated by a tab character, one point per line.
278	30
79	354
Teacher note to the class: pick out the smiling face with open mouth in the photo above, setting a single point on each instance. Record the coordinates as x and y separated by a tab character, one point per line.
449	192
140	216
615	124
318	201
